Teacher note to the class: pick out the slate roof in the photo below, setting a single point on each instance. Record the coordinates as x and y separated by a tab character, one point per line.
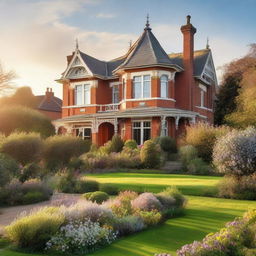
53	105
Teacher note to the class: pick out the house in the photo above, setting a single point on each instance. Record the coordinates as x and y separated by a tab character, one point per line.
49	105
143	94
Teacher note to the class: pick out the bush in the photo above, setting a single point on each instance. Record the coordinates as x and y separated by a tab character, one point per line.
35	229
150	218
150	154
59	150
198	166
243	188
187	153
84	186
131	144
8	169
30	171
146	202
22	119
24	148
66	183
128	225
203	137
97	196
168	144
116	144
173	192
108	188
235	153
81	238
33	197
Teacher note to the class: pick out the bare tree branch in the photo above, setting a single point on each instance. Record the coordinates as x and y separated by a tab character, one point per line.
6	81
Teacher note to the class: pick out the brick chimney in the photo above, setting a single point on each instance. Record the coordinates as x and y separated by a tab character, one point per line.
188	32
49	94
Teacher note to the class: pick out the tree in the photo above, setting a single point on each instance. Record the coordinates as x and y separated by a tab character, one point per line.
6	77
232	81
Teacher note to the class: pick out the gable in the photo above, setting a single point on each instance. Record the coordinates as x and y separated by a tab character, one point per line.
209	74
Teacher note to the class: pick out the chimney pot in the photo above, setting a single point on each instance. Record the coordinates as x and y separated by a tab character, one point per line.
188	19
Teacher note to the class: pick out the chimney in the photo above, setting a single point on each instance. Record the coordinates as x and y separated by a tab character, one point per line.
188	32
49	94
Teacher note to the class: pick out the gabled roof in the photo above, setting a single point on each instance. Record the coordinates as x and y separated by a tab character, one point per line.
200	59
147	51
52	104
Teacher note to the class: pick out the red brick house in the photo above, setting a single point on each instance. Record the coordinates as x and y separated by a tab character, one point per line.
141	95
49	105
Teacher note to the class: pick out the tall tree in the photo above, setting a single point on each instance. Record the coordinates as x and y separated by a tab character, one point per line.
232	81
6	81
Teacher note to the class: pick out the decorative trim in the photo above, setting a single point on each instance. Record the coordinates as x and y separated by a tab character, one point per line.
204	108
146	99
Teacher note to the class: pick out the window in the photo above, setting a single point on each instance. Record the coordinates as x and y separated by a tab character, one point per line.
141	87
202	98
84	133
124	89
82	94
164	86
115	94
141	131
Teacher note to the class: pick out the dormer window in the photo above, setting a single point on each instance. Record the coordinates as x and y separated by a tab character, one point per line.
82	94
141	87
164	86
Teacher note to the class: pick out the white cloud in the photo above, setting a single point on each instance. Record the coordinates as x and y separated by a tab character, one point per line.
105	15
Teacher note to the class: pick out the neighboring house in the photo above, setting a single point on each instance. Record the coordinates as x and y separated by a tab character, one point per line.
49	105
143	94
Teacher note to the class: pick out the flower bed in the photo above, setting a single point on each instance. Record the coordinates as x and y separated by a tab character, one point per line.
86	226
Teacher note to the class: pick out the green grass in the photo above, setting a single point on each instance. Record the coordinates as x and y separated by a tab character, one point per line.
188	184
203	215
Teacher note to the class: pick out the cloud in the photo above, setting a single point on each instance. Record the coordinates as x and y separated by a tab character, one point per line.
105	15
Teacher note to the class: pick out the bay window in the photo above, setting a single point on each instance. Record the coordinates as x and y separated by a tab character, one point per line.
115	94
82	94
141	87
141	131
164	86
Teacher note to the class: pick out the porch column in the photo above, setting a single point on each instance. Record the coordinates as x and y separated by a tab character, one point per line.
177	119
94	132
192	120
163	123
115	126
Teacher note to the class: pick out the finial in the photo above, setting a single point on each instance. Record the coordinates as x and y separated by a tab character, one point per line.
147	23
130	44
207	43
77	44
188	19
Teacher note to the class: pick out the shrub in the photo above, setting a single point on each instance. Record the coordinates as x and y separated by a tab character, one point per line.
108	188
83	186
243	188
203	137
30	171
168	144
166	200
116	144
146	202
8	169
35	229
173	192
97	196
150	218
84	210
66	183
33	197
128	225
59	150
150	154
235	153
24	148
187	153
81	238
22	119
131	144
198	166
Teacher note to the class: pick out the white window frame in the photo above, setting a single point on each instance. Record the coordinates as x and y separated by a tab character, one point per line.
141	129
81	130
85	87
142	85
202	99
165	128
115	90
166	89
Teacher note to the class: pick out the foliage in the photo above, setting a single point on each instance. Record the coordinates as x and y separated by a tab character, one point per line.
24	148
108	188
243	188
131	144
116	144
34	230
203	137
173	192
232	240
198	166
17	193
6	81
8	169
81	237
146	202
84	185
59	150
22	119
150	218
30	171
168	144
235	153
150	154
187	153
97	196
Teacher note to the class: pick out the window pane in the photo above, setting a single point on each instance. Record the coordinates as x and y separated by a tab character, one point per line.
136	124
146	134
164	86
146	124
146	89
78	95
137	79
115	94
86	94
136	90
136	135
146	78
87	133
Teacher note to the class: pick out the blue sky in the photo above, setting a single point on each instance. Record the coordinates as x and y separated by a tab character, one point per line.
36	35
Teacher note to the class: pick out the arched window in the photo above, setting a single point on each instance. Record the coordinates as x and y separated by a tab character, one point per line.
164	86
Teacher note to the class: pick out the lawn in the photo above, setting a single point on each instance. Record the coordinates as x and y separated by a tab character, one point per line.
203	215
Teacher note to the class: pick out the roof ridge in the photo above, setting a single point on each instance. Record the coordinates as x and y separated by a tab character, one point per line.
149	31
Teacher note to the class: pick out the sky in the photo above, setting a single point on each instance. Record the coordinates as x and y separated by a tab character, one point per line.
37	35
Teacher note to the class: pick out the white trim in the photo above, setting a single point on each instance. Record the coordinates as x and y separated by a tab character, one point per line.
203	87
146	99
141	128
204	108
92	83
111	84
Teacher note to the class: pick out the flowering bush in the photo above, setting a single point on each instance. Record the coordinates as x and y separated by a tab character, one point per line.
81	237
97	196
146	202
234	239
235	153
173	192
150	154
150	218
